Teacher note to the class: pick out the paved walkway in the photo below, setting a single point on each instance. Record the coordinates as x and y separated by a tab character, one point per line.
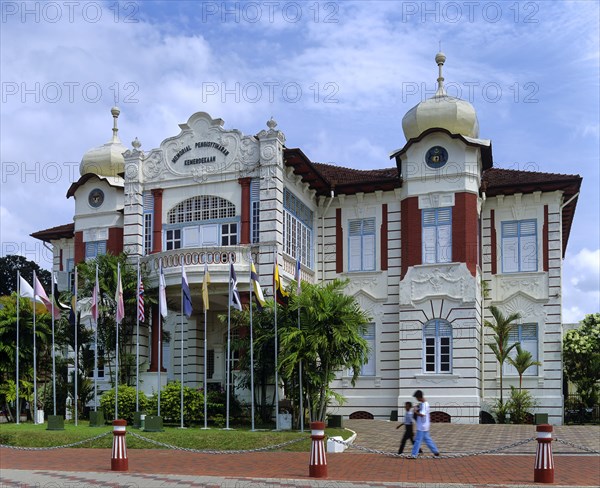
166	468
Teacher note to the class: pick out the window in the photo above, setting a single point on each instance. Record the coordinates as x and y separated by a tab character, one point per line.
519	246
203	207
173	239
148	221
210	364
94	249
254	210
361	245
437	347
527	335
229	234
100	361
437	235
369	368
71	274
297	228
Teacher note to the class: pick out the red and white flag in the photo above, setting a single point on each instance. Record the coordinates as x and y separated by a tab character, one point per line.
140	301
120	313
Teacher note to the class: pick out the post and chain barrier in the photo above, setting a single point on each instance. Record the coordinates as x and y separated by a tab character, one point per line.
64	446
208	451
441	456
576	446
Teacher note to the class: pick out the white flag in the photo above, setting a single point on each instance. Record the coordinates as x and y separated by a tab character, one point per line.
162	295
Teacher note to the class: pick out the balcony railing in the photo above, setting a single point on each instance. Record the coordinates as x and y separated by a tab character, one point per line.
199	256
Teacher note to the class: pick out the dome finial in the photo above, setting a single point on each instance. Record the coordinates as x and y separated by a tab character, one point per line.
115	113
440	59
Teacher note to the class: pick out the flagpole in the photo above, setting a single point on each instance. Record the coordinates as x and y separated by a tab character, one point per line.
251	350
35	407
159	332
137	341
181	338
228	366
17	358
95	317
301	406
117	344
74	304
205	304
53	351
276	368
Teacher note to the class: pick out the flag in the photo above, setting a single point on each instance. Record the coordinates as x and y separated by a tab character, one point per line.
281	295
26	291
56	294
186	294
162	295
298	280
140	301
95	297
120	312
260	299
73	309
205	283
39	292
236	302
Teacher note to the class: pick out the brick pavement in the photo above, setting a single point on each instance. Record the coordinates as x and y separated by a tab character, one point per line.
377	470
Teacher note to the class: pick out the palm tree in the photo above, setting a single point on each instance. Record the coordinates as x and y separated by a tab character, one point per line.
501	326
522	362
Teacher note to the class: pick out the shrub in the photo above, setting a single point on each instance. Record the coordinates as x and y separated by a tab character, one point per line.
500	411
519	404
126	403
170	403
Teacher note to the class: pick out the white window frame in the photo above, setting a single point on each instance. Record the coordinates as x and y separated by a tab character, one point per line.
515	233
255	211
361	232
436	221
201	208
370	367
148	216
94	249
434	345
297	229
522	334
173	239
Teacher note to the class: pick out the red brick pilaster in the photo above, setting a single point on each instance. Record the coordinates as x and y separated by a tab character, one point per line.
115	241
339	242
157	225
464	230
79	254
245	210
410	234
384	237
546	249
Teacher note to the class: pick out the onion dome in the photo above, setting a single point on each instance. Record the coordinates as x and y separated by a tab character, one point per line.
441	111
105	160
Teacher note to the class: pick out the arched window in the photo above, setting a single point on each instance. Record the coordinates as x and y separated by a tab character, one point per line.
437	347
202	207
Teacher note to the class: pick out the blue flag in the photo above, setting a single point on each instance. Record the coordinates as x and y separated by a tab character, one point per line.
236	302
185	292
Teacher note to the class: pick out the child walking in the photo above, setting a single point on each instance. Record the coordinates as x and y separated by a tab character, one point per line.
408	427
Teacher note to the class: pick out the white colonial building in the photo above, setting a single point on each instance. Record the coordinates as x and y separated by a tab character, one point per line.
421	242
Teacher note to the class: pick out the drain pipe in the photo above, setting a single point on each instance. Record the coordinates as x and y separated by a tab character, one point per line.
331	197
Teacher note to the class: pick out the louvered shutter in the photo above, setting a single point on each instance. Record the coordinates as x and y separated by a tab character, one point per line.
510	247
444	235
209	235
529	342
354	245
528	245
191	236
368	245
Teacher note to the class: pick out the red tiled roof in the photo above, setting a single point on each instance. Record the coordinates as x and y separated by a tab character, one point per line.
339	175
58	232
496	178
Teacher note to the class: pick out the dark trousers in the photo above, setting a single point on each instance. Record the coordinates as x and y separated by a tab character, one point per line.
408	434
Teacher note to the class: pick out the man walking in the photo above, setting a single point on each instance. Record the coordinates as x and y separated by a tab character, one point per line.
423	422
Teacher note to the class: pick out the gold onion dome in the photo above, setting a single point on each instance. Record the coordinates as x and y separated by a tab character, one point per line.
105	160
441	111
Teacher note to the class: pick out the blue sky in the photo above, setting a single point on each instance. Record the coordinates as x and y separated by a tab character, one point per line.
337	76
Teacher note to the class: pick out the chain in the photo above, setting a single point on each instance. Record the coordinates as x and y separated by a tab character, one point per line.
203	451
73	444
576	446
445	456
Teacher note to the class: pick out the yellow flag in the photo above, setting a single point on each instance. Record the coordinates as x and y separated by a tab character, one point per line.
205	283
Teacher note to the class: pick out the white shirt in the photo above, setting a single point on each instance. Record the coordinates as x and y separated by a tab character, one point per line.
423	422
408	417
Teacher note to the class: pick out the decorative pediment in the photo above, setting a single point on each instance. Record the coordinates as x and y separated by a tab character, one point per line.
424	282
531	285
528	308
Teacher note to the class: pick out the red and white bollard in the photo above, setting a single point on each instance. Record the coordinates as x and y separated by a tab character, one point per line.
318	461
544	462
119	461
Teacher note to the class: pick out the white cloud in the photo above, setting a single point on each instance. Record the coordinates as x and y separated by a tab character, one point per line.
581	284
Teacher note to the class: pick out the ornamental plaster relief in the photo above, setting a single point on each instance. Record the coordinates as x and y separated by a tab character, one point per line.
424	282
369	303
533	285
529	308
436	200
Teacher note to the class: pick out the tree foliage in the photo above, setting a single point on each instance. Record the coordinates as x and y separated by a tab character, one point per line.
9	265
522	361
581	358
501	326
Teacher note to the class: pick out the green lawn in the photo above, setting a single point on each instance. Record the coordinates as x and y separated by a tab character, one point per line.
30	435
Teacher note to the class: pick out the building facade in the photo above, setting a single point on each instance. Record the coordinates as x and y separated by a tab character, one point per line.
427	244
